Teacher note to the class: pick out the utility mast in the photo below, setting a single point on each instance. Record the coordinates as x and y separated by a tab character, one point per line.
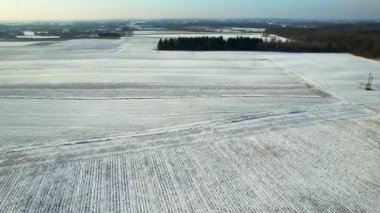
368	85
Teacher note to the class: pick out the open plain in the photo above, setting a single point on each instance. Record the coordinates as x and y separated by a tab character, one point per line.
116	126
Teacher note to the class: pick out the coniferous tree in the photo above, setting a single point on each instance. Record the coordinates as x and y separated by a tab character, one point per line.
160	45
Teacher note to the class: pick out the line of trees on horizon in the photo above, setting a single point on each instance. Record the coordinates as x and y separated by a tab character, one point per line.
362	40
239	44
209	43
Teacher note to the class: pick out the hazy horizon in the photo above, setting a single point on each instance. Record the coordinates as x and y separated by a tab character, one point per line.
23	10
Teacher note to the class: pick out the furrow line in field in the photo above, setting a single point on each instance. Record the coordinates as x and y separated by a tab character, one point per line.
336	187
109	195
13	191
160	131
6	181
100	191
338	193
217	185
275	168
225	180
32	183
230	162
125	177
68	196
80	201
161	97
200	167
183	172
166	183
355	131
39	190
182	197
142	192
117	184
257	192
258	124
133	189
257	171
8	191
356	160
158	199
59	187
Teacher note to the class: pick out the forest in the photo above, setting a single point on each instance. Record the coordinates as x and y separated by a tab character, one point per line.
362	40
239	44
209	44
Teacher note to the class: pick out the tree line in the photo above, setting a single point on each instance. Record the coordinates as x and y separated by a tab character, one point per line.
208	43
239	44
362	40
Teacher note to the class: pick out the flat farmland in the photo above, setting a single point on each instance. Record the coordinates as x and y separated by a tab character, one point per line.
116	126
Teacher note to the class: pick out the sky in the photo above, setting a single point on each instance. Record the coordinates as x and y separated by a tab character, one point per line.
157	9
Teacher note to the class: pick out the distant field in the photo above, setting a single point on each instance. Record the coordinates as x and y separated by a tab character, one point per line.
114	125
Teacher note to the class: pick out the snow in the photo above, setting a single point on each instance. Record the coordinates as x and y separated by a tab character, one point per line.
114	125
37	37
12	44
243	30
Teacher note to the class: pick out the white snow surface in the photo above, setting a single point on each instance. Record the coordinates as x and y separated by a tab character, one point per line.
116	126
37	37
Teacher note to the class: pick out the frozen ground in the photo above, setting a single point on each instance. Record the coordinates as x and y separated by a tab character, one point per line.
113	125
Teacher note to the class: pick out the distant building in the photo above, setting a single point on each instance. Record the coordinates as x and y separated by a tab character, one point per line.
39	35
29	33
42	33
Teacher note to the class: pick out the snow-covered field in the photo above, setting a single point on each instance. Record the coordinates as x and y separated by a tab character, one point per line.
38	37
116	126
